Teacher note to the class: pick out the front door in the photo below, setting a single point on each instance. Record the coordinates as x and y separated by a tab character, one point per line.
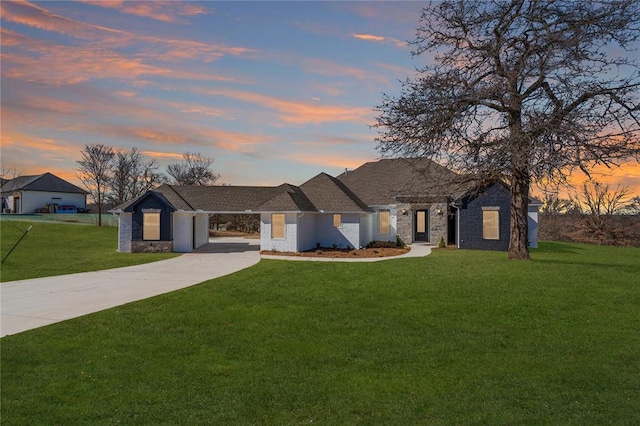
421	224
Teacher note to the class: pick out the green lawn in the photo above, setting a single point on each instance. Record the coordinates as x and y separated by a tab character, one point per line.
459	337
56	249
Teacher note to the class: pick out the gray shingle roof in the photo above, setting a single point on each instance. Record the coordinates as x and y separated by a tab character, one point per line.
44	182
291	199
328	194
321	193
213	198
381	182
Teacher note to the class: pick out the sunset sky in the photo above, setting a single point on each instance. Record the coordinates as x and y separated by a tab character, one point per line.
274	91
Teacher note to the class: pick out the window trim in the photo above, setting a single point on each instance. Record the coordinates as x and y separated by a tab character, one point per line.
495	211
146	228
386	231
284	226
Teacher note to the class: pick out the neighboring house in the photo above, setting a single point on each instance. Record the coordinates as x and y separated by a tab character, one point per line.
411	200
45	192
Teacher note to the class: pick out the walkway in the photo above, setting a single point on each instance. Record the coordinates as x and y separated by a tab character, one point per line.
29	304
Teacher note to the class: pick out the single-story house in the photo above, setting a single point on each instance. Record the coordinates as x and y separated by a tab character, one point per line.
411	200
42	193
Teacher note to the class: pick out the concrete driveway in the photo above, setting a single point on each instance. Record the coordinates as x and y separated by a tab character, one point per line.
29	304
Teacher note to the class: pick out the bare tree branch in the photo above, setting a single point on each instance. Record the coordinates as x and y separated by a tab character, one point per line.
195	169
526	90
95	173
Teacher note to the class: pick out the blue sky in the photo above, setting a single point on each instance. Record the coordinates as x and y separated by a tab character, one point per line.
274	91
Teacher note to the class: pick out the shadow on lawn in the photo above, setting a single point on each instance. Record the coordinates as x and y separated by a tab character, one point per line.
577	255
559	248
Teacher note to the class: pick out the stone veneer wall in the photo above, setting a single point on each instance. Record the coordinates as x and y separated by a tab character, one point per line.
404	223
437	223
151	246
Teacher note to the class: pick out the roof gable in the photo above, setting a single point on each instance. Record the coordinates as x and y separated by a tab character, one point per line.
291	199
129	207
328	194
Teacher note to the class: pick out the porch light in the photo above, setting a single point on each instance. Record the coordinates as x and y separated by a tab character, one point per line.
439	212
404	212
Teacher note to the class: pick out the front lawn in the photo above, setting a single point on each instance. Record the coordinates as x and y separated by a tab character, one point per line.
458	337
56	249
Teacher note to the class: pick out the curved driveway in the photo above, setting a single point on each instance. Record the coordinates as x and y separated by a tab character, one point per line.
29	304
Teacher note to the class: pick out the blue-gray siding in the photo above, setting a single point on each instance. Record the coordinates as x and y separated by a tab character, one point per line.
471	219
151	202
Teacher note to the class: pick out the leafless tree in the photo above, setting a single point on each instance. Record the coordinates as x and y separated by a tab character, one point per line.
133	174
7	174
95	173
520	90
552	204
194	169
598	203
600	199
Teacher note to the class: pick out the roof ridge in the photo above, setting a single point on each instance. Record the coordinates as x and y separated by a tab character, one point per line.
181	197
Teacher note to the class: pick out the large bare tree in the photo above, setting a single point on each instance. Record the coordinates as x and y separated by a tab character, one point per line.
520	90
132	175
94	170
194	169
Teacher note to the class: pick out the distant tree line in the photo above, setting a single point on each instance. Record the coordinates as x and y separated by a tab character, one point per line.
595	213
113	176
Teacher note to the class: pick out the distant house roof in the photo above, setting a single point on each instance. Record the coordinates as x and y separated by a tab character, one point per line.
382	182
46	182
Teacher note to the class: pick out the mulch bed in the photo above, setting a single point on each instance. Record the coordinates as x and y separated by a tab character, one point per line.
342	253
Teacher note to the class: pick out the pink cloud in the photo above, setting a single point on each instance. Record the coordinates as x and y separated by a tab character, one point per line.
299	112
166	49
368	37
333	69
29	14
328	160
163	155
28	143
376	38
77	64
165	11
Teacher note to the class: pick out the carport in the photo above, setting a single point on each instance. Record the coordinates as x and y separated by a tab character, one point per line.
176	218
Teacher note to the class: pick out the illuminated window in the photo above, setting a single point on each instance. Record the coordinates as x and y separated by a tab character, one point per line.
277	225
337	220
384	222
151	226
491	224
